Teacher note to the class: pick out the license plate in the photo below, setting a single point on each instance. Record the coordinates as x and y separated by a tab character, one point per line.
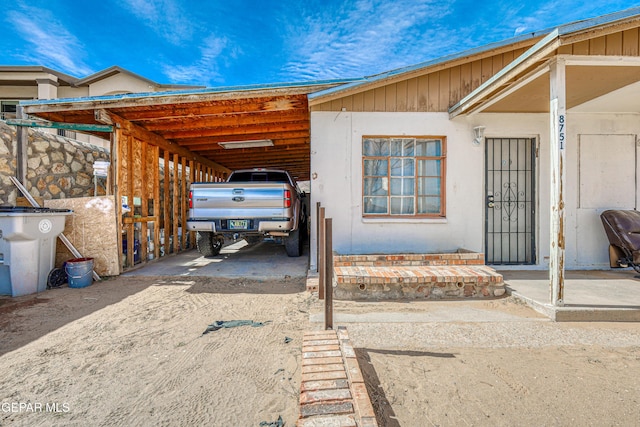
238	224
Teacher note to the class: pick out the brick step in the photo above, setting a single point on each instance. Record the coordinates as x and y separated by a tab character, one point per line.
432	282
461	257
417	274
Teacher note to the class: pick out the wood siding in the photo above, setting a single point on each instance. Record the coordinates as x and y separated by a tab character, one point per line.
439	90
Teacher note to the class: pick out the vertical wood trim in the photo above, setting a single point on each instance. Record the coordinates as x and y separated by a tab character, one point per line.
465	80
613	44
130	192
379	99
348	103
497	63
454	88
597	46
476	74
183	200
630	42
390	98
412	94
423	93
487	69
117	147
192	174
581	48
369	101
175	203
565	50
401	96
144	201
434	92
336	105
445	84
167	201
558	132
358	102
156	202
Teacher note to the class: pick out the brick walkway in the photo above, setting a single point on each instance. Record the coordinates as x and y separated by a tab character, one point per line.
332	391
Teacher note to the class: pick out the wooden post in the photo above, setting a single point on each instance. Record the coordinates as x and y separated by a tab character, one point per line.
157	206
184	195
175	202
166	222
320	252
144	200
328	258
557	142
22	138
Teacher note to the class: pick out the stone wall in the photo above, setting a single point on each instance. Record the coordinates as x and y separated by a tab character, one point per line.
57	167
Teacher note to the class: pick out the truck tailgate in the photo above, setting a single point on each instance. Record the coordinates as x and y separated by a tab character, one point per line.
233	200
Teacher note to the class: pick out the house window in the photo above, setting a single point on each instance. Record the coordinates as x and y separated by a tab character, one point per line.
8	109
403	176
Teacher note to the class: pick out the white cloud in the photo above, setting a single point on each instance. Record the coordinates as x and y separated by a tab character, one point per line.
205	70
53	44
372	35
164	17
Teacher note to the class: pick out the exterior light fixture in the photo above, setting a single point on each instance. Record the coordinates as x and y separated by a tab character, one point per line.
478	134
229	145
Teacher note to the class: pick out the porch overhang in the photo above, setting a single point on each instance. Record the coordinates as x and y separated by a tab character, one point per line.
523	86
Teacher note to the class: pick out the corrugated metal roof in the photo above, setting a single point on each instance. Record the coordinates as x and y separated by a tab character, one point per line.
188	92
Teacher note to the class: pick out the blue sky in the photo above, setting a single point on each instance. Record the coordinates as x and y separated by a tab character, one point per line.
239	42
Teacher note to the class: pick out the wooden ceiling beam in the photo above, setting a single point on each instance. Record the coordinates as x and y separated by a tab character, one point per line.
200	141
231	120
251	105
234	133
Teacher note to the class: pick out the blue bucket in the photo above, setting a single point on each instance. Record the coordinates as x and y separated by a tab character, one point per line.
79	272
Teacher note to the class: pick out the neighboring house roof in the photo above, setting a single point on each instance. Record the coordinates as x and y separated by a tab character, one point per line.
529	38
62	77
111	71
68	80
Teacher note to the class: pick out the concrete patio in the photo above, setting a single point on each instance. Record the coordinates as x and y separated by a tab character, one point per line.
589	295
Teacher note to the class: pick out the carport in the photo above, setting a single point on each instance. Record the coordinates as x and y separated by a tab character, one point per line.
160	142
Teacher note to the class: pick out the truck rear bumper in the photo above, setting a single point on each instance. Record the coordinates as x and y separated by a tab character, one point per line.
255	225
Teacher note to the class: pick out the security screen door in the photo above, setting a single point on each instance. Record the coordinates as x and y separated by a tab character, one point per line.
509	201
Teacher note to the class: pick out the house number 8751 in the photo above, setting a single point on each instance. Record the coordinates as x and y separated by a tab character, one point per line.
561	131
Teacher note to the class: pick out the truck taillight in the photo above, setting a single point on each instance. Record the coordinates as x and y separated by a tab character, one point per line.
287	198
190	199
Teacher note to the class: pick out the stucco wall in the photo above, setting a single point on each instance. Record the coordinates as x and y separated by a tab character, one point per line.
336	168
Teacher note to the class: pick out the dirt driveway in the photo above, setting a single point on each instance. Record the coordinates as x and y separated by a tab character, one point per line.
130	351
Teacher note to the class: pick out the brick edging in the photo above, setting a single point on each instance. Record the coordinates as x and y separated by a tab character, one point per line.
332	389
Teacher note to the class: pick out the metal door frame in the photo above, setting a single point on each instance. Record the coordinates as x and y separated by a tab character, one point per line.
534	140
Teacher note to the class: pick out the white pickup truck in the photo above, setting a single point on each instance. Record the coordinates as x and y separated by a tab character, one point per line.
252	204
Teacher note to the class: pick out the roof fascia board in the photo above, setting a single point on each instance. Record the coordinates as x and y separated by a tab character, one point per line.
601	60
537	52
600	23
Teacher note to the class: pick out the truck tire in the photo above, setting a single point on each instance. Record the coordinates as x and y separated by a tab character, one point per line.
208	243
293	244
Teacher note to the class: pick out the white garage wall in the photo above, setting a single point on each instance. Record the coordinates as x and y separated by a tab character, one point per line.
336	169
